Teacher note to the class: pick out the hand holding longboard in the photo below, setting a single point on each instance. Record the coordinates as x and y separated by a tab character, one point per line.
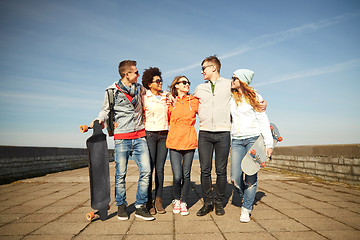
85	128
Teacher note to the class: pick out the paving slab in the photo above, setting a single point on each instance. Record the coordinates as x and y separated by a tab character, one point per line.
287	206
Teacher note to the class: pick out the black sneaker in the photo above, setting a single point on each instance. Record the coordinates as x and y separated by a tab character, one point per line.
122	214
143	213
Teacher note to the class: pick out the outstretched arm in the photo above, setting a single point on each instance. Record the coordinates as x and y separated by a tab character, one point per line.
171	99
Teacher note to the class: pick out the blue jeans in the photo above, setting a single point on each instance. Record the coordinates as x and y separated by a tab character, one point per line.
207	143
123	150
156	141
247	188
181	162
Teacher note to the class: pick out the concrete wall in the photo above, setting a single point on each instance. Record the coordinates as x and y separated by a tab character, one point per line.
25	162
329	162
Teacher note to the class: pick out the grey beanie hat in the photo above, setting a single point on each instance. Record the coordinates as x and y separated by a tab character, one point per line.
245	75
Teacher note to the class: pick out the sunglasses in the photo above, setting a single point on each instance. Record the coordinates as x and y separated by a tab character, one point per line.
137	72
204	67
158	81
184	82
234	79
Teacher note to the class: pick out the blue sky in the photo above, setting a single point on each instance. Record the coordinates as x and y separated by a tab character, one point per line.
57	58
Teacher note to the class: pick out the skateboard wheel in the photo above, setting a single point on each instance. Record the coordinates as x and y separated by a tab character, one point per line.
279	139
253	152
84	128
263	164
90	216
272	127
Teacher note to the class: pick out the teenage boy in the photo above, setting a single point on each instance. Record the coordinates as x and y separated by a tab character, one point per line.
214	134
129	136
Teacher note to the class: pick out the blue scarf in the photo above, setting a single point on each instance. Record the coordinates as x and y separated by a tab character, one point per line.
133	91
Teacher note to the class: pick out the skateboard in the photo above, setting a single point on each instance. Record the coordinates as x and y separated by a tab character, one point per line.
85	128
98	171
256	157
275	133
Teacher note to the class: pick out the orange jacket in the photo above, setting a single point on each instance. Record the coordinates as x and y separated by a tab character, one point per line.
182	133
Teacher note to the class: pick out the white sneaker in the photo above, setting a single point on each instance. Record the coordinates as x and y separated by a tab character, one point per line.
183	209
176	208
245	215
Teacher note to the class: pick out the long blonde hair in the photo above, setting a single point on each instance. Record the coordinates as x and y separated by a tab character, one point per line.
248	93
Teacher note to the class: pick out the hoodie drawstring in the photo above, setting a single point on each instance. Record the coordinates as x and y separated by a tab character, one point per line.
189	103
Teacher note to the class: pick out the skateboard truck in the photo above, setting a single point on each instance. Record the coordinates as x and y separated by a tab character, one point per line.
256	158
85	128
91	215
278	138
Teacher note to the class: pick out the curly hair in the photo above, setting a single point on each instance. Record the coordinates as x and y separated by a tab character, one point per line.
249	94
148	75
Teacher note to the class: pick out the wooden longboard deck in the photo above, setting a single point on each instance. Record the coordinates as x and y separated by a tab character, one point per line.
99	171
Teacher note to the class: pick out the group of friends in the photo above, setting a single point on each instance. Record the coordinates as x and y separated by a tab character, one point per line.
151	122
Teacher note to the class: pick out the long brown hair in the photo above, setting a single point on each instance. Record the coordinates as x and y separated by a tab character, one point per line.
249	94
172	87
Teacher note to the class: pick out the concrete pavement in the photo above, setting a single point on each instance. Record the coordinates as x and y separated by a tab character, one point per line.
287	207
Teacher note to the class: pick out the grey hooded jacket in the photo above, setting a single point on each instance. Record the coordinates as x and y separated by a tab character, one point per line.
214	107
128	118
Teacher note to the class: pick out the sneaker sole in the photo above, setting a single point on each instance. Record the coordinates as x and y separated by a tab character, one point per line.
123	218
184	213
244	221
145	218
161	211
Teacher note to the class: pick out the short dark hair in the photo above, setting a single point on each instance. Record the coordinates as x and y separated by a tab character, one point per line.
125	66
148	76
214	60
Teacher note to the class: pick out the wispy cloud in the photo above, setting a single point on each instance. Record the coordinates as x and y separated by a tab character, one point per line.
355	63
47	100
272	39
275	38
43	93
180	70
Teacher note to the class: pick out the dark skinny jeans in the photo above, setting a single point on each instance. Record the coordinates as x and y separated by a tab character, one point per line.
156	141
181	162
207	143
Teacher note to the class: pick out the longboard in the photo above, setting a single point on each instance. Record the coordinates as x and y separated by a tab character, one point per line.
256	157
98	171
